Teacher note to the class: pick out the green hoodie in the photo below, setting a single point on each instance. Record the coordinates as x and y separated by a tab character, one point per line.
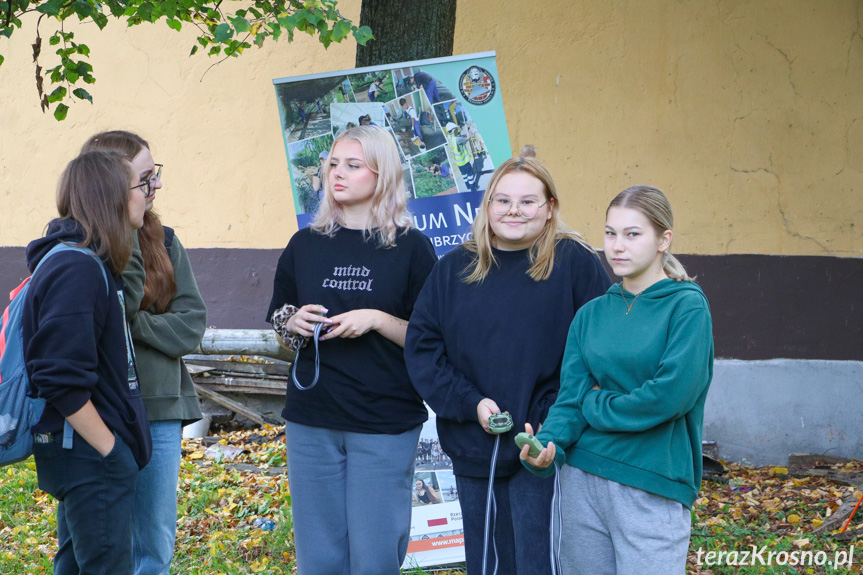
653	366
161	340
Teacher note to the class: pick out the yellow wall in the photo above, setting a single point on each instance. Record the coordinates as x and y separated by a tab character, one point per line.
748	113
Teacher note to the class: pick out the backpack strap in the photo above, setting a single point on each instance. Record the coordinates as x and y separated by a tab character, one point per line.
61	247
169	238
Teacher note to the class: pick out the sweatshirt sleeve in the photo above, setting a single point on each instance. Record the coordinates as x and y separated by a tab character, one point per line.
179	330
565	422
439	383
133	280
284	282
62	356
682	377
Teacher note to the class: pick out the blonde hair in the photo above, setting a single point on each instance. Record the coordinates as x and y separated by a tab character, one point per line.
655	206
388	213
542	251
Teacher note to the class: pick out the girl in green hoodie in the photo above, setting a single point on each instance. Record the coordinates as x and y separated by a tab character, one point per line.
625	430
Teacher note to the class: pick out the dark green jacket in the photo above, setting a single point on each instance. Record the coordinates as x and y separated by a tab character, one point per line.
161	340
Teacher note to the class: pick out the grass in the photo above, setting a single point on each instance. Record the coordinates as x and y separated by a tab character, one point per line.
219	503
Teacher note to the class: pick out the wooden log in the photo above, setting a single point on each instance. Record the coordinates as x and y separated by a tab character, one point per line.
243	342
234	406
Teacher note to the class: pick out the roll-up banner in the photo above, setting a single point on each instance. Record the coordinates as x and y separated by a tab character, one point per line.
445	114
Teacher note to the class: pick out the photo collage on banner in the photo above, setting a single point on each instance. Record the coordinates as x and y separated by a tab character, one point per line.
446	118
445	115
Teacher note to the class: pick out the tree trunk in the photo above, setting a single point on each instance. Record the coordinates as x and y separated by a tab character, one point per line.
404	31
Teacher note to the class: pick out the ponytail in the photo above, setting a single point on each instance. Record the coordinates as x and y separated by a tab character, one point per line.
674	269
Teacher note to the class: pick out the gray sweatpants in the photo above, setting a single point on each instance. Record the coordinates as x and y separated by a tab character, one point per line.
614	529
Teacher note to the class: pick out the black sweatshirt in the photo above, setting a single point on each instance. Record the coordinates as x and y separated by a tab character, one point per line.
76	341
502	339
364	385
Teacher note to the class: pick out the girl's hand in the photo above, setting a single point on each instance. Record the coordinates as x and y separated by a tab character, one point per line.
485	409
354	323
303	322
545	457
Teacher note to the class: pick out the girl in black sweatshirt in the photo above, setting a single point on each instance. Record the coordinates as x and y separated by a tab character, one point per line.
93	436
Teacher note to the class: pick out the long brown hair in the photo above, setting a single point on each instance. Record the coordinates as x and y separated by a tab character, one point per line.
94	192
160	285
655	206
542	251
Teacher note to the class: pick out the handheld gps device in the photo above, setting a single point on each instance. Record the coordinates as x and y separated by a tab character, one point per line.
500	422
525	438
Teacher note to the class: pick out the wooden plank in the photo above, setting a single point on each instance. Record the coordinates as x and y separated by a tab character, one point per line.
243	385
239	367
233	405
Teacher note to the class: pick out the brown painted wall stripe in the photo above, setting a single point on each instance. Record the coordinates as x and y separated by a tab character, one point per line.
764	307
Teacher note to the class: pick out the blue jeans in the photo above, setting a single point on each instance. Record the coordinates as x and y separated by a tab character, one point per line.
350	499
521	529
96	494
154	521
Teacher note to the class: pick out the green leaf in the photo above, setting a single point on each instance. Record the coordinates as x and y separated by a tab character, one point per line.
83	10
57	95
82	94
241	25
312	18
100	19
289	22
363	34
1	59
259	39
7	32
341	30
145	12
71	76
83	49
194	49
174	24
51	7
214	50
54	40
223	33
60	112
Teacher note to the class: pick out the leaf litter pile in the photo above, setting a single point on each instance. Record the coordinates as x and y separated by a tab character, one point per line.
234	515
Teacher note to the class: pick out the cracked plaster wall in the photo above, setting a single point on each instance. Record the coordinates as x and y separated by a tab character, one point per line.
748	113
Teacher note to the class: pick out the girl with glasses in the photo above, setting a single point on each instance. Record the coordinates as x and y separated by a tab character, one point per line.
167	318
487	335
78	357
352	438
625	431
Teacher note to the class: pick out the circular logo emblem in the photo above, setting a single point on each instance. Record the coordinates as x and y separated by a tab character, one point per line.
477	85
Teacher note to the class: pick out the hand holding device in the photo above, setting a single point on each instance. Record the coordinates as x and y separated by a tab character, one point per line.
525	438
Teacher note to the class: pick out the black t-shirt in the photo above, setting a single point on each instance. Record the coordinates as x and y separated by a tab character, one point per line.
364	385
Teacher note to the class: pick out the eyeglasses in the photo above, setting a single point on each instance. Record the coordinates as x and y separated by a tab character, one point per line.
502	205
150	182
